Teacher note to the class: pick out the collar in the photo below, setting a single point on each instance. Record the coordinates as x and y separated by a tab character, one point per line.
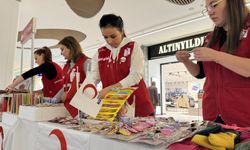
115	51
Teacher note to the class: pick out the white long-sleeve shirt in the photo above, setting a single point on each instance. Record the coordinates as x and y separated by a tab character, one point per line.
136	66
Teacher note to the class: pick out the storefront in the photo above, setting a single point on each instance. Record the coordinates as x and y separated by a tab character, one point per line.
172	78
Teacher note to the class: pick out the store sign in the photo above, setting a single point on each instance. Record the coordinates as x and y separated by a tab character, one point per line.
28	30
170	48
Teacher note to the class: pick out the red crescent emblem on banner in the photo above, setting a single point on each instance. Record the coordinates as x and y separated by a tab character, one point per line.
92	87
60	137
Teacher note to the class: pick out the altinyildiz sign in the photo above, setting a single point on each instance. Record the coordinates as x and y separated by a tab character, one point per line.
170	48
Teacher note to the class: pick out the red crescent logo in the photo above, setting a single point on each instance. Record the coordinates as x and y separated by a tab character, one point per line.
60	137
90	86
1	131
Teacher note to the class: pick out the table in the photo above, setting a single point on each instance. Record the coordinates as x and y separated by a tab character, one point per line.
29	135
83	141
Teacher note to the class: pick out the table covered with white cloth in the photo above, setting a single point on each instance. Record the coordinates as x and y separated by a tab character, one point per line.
30	135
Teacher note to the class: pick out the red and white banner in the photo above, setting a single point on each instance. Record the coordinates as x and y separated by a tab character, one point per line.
28	30
86	98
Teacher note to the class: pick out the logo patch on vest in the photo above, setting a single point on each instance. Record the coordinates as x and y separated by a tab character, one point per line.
123	59
243	33
126	52
72	74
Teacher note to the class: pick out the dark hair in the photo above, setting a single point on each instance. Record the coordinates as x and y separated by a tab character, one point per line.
73	45
237	13
111	20
47	53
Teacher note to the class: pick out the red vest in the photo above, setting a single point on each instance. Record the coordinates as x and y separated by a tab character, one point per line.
68	83
67	72
112	71
227	93
51	87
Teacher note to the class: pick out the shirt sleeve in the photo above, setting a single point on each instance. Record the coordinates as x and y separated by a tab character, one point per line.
86	66
136	72
201	73
94	69
32	72
59	95
48	69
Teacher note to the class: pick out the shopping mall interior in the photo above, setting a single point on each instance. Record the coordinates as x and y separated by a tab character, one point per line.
161	27
146	28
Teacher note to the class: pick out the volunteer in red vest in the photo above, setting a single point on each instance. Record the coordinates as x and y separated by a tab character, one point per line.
51	73
120	64
225	62
77	63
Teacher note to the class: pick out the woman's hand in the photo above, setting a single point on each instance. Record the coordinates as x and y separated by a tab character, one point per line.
182	56
9	88
205	54
104	91
64	95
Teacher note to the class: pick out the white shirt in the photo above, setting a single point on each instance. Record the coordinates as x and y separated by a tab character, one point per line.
136	72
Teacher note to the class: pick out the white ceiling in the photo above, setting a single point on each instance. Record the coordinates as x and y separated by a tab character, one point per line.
141	17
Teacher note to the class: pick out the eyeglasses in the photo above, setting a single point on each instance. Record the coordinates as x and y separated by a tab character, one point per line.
211	7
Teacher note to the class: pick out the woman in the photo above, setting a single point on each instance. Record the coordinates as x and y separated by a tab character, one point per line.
120	63
225	62
51	73
77	63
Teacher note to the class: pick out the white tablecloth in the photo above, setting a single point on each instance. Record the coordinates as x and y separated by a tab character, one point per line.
77	140
29	135
21	136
